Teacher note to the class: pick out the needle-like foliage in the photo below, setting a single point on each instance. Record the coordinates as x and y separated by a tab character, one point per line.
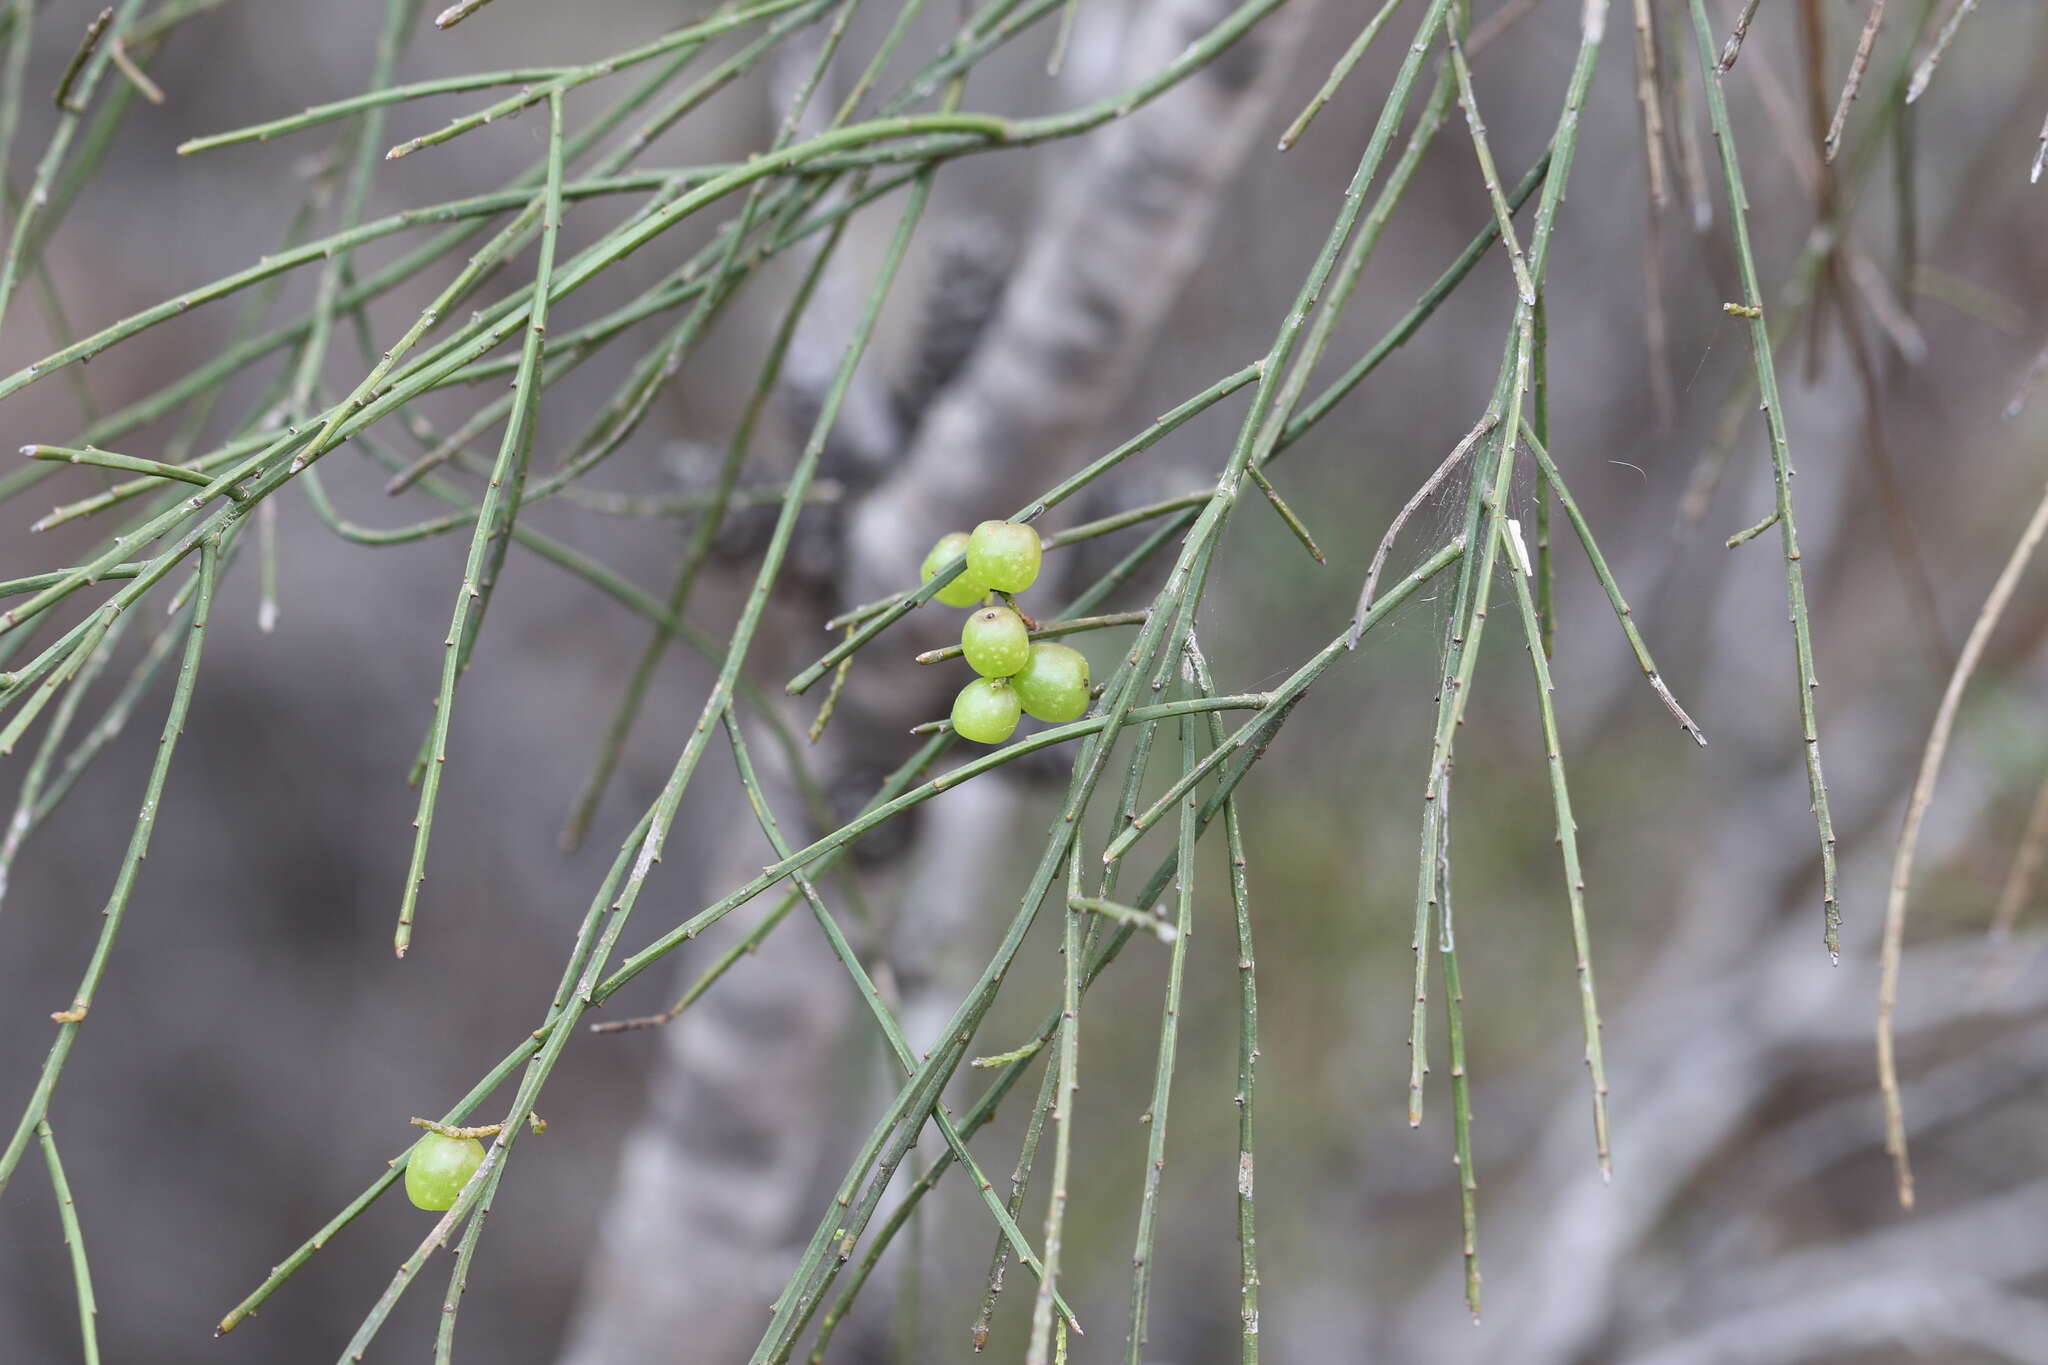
174	528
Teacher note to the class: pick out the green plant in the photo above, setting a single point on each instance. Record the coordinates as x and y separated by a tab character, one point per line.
178	524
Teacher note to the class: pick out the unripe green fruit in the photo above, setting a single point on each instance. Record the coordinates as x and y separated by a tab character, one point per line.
986	711
1004	555
964	591
438	1169
1054	683
995	642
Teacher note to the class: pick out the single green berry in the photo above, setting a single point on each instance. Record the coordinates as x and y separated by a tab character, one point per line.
964	591
438	1169
986	711
1054	683
995	642
1004	555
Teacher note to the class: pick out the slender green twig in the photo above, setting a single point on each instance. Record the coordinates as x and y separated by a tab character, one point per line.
1539	422
1338	72
1749	533
69	1019
893	786
1060	1114
1425	307
1260	727
1125	569
107	459
369	99
14	78
703	540
214	372
87	45
520	1054
1247	1046
1502	214
81	77
1020	1174
74	1242
1169	1036
1781	466
33	781
1117	521
1294	523
103	732
1069	11
321	249
1012	1065
1553	480
46	688
865	987
1568	850
480	263
1485	516
690	36
492	527
1364	243
572	997
203	466
1461	1077
458	1278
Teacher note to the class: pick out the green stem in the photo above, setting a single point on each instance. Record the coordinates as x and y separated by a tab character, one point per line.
1781	469
70	1019
492	530
74	1242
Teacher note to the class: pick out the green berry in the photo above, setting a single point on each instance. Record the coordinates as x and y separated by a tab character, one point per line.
1004	555
1054	683
964	591
986	711
995	642
438	1169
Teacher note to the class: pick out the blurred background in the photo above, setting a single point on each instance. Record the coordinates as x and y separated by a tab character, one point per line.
256	1048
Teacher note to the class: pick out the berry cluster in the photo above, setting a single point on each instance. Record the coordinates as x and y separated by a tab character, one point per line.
1018	675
